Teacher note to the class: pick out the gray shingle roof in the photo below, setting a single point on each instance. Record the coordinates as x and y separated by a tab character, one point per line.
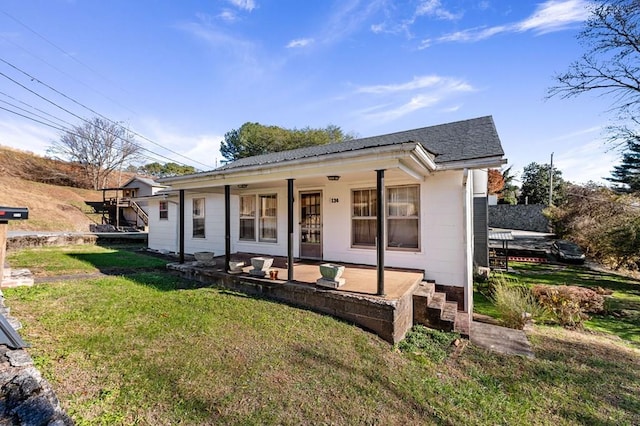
461	140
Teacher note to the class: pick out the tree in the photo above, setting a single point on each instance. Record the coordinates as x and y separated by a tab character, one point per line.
166	170
509	193
611	64
99	146
495	181
255	139
606	224
627	174
535	185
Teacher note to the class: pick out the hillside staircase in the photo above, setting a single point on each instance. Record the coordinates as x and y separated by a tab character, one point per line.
432	309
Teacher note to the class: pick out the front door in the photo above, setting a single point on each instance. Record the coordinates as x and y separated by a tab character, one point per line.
311	225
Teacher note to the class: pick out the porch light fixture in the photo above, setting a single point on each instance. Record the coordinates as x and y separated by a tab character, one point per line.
242	186
333	177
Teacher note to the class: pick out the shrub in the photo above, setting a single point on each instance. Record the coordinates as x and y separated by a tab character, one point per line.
569	304
514	303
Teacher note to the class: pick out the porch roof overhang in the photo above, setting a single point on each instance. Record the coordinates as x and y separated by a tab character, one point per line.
410	158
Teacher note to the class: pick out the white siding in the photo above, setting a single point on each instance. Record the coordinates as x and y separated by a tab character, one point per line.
442	226
163	234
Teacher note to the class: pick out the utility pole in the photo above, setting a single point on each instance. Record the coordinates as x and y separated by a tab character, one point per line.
551	182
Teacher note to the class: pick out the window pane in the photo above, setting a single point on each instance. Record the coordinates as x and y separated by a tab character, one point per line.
248	229
403	233
268	231
248	206
198	218
164	210
364	232
198	228
268	222
248	217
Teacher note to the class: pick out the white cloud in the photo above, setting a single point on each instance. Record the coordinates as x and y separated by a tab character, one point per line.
228	15
247	5
582	162
433	8
301	42
550	16
415	84
397	100
215	37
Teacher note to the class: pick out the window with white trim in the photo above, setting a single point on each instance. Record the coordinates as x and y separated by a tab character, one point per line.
198	218
164	210
259	212
268	225
363	218
248	217
403	206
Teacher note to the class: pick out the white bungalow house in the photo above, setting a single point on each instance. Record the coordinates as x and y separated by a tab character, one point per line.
402	200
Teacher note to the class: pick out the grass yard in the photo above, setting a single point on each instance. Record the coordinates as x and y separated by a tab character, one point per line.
622	317
149	348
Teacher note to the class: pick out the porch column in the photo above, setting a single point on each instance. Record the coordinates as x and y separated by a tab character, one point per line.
380	196
290	229
181	226
227	226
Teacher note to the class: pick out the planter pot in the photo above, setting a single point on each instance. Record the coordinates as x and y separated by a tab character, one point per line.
260	265
331	275
331	272
205	258
235	267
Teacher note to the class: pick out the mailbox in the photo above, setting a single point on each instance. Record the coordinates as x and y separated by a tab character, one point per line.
13	213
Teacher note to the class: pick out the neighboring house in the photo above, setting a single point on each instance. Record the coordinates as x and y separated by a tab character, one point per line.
127	206
322	203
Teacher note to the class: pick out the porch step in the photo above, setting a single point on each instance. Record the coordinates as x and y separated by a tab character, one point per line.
431	308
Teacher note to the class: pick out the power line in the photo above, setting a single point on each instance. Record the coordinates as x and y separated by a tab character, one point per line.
67	54
35	79
67	74
63	129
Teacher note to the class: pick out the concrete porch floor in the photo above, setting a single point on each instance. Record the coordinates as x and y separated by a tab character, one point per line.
360	279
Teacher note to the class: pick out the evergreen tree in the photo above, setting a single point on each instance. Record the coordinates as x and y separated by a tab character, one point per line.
627	174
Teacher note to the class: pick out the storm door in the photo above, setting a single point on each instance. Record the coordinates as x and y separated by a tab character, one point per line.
311	225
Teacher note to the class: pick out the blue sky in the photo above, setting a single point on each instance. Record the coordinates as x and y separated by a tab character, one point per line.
182	73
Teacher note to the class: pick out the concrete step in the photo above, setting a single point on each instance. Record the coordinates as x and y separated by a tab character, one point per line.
448	316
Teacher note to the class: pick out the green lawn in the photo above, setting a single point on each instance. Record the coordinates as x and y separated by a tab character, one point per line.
150	348
623	307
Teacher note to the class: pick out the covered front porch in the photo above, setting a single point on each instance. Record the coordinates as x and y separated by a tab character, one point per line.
389	316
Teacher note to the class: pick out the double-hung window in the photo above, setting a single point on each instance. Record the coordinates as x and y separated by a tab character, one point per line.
248	217
259	212
268	218
363	218
402	207
164	210
403	203
198	218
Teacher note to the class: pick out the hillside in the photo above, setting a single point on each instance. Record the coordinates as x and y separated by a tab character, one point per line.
54	191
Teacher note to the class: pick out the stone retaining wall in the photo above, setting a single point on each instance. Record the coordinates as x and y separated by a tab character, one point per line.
389	319
25	397
525	217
